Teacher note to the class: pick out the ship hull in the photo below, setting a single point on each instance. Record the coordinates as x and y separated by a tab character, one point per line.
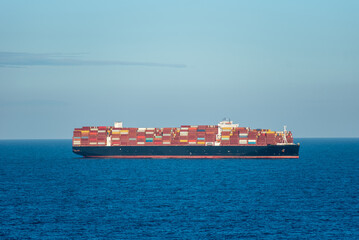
270	151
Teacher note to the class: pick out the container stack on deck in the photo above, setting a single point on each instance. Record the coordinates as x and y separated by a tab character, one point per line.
210	136
252	137
243	136
202	135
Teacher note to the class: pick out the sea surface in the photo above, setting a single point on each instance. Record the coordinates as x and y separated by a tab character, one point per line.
47	192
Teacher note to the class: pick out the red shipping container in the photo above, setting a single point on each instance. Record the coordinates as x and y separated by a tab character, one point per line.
226	133
77	134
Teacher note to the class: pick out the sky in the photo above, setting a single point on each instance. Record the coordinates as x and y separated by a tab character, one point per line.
263	64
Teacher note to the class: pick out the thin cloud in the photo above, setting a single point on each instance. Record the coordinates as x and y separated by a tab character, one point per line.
22	59
33	103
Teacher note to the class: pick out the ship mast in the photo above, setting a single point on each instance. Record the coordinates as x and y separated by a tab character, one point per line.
285	134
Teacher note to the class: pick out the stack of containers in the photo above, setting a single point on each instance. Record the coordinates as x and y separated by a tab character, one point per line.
252	137
289	137
167	135
158	137
234	138
192	135
141	136
210	136
270	137
226	134
279	137
158	140
76	139
93	136
102	136
132	134
175	136
115	137
149	133
243	136
183	139
85	132
124	132
261	138
201	134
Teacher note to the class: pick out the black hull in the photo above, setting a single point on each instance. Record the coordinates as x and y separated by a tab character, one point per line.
270	151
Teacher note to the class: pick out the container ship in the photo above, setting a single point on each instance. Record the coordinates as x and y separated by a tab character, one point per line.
225	140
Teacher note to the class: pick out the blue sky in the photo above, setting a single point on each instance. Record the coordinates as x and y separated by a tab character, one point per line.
264	64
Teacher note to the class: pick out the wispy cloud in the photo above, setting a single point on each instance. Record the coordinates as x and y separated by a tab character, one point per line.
33	103
22	59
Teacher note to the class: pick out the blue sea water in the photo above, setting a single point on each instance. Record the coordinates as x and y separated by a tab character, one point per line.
47	192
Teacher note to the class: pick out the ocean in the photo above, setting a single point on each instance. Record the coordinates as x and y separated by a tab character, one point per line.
47	192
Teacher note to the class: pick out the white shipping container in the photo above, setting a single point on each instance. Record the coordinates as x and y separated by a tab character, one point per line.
124	133
151	129
167	134
140	142
241	141
226	130
185	128
183	133
252	141
166	142
115	138
102	143
93	143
